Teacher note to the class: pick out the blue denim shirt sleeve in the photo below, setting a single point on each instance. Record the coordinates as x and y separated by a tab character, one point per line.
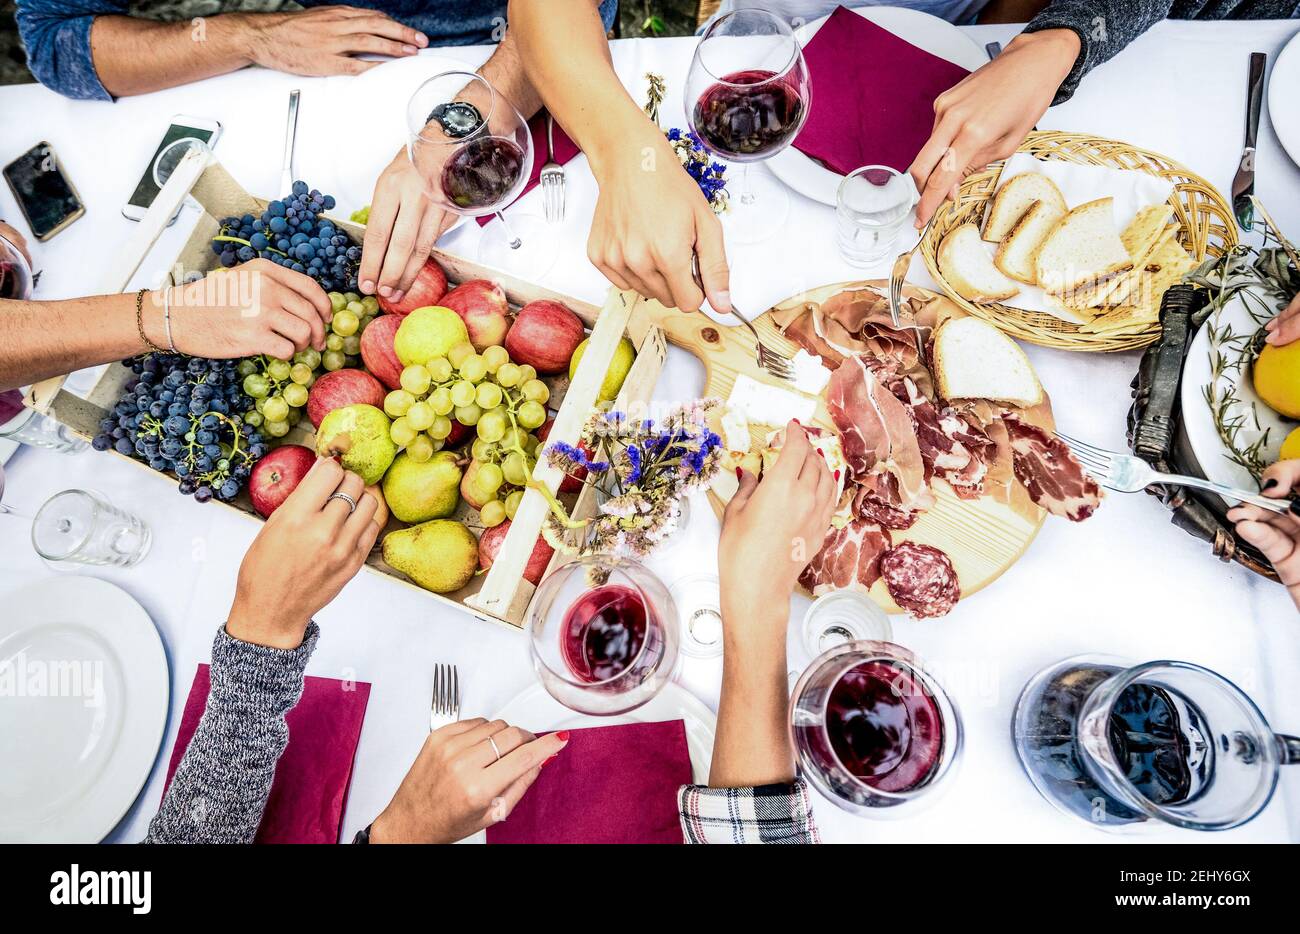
608	13
56	34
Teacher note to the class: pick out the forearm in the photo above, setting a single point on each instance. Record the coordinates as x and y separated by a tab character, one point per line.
44	339
564	50
752	743
220	788
505	71
136	56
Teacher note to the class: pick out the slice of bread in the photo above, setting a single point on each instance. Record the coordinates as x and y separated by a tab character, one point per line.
1016	197
965	263
1083	250
974	360
1019	248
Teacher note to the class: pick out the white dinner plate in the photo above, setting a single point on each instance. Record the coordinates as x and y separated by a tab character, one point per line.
539	712
936	36
84	688
1282	109
1198	421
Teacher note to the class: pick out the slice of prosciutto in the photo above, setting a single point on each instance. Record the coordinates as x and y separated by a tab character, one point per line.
1055	480
876	431
876	500
849	558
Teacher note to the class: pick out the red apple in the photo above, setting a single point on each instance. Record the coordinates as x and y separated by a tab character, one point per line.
482	305
342	387
458	434
277	475
377	350
572	483
430	284
489	544
544	336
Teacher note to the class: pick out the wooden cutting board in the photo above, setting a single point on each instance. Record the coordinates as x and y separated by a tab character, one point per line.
982	537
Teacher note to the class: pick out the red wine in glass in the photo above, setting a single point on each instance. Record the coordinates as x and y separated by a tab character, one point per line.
605	633
481	173
884	726
748	115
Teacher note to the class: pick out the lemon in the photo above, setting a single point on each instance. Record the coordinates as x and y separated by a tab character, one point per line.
1290	447
1277	378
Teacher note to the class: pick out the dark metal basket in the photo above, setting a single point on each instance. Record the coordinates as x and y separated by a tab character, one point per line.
1155	431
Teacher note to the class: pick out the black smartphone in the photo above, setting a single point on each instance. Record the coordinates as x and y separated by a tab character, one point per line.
46	197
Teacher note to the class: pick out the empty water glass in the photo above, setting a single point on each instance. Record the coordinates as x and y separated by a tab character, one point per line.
81	527
41	431
871	206
842	616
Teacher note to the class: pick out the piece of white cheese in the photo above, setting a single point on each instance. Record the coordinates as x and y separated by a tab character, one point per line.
810	374
735	430
763	404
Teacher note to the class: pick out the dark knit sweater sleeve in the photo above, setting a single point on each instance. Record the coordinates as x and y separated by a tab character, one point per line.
1104	28
220	788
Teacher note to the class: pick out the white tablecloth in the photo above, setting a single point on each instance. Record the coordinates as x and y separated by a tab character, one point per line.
1126	582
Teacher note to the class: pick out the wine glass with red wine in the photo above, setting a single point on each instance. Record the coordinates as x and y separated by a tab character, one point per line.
872	729
474	153
747	98
602	634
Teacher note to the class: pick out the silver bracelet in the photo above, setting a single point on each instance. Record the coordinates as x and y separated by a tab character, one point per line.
167	318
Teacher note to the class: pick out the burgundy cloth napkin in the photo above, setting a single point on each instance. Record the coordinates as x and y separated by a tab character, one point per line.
311	780
11	403
565	149
872	95
610	784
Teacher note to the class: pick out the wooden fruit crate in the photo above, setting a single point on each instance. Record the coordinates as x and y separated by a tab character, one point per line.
501	594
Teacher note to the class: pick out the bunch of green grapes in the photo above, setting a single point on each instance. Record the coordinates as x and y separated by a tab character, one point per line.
352	314
279	388
504	402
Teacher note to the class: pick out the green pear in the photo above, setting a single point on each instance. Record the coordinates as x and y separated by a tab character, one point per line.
428	333
441	555
358	435
418	492
624	355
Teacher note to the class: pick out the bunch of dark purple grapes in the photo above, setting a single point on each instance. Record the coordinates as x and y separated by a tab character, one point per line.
294	233
183	415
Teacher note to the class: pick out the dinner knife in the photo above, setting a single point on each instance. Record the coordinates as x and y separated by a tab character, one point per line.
1243	183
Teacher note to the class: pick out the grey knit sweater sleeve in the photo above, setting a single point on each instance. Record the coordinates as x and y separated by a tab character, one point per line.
220	788
1104	28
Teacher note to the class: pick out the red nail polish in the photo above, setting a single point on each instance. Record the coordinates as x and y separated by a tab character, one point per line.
562	736
822	453
837	475
547	762
739	473
795	420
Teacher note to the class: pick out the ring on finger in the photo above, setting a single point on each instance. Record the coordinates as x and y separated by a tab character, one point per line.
493	743
352	503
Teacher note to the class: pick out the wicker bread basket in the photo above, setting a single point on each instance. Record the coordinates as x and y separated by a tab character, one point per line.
1205	220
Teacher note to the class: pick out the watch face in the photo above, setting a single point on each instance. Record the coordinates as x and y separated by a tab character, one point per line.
458	119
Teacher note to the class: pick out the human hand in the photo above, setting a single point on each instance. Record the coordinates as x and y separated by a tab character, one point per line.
459	784
988	114
309	548
650	219
1277	535
17	239
404	225
772	528
254	308
1285	328
325	39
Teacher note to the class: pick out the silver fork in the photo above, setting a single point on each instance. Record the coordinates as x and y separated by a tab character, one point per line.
897	276
1125	473
446	696
774	362
552	178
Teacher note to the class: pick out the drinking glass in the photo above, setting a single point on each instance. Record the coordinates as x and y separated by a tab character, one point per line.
1126	746
474	152
871	205
15	272
602	634
699	610
872	730
41	431
841	616
747	98
83	527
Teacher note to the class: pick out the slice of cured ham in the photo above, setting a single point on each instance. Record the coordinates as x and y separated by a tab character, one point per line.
1047	469
876	500
850	557
876	431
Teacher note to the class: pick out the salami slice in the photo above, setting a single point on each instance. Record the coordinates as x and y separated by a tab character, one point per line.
921	579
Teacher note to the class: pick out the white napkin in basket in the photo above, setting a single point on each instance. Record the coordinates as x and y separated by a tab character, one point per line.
1131	190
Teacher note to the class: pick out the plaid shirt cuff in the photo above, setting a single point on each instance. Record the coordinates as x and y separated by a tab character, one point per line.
765	814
